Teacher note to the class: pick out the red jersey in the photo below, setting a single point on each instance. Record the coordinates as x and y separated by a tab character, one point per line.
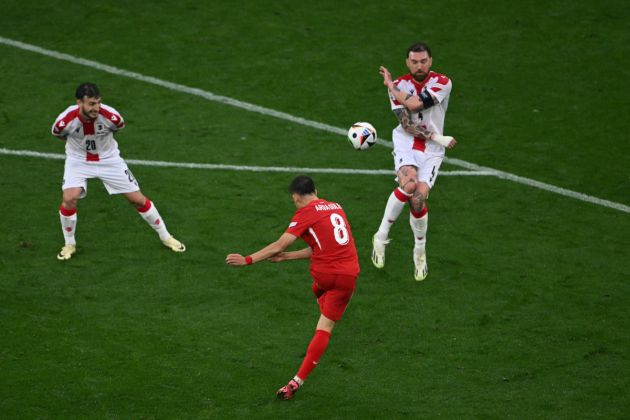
324	227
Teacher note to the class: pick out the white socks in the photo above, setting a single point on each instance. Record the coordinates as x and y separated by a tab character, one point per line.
68	224
419	228
150	214
395	203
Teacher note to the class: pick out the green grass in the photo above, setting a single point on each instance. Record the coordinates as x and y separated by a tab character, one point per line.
525	310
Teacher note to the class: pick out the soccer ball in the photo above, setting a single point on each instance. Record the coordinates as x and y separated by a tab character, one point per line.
362	135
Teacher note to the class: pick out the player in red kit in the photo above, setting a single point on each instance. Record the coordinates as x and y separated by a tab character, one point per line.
334	265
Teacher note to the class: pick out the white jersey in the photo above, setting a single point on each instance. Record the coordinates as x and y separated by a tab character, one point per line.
432	119
91	141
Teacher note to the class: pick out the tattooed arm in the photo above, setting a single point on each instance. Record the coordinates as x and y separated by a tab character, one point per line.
413	103
404	116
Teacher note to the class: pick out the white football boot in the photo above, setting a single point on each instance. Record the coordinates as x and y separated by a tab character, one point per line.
420	261
174	244
378	252
66	252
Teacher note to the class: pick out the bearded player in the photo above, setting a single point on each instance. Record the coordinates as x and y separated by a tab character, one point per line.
419	100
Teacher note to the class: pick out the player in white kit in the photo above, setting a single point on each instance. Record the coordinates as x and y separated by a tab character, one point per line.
419	99
92	152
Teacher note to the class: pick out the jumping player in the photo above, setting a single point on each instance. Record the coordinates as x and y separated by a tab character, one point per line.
334	265
92	152
419	99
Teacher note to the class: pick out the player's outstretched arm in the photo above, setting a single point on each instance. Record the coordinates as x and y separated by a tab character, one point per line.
270	250
293	255
417	130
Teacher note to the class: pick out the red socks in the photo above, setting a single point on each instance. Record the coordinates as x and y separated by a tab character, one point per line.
314	351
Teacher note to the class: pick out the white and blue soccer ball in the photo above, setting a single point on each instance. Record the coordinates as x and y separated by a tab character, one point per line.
362	135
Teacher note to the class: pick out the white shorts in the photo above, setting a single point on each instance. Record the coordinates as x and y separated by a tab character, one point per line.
115	175
427	166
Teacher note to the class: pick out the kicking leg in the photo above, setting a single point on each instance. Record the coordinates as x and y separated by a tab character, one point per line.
314	352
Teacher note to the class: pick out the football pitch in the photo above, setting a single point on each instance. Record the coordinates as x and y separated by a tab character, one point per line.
526	309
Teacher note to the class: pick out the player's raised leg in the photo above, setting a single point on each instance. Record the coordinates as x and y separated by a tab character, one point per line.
393	208
150	214
68	219
395	203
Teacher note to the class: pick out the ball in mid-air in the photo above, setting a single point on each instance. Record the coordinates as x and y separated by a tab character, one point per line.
362	135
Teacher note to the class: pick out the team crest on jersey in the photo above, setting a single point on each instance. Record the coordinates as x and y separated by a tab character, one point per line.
62	123
114	118
100	129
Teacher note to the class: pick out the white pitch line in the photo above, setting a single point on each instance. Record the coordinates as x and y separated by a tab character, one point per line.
215	166
298	120
543	186
172	86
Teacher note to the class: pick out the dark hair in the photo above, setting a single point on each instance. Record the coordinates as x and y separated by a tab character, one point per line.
87	89
419	47
302	185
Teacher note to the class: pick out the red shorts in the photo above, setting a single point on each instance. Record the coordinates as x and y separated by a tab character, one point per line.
333	293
